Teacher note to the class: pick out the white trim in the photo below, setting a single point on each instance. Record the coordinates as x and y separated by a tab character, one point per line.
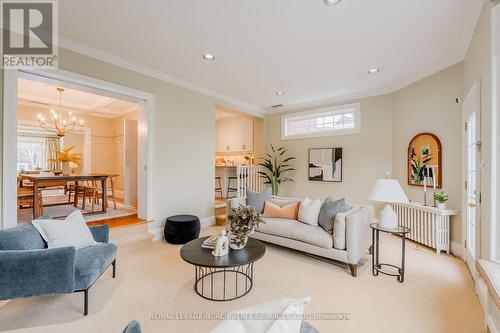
456	249
475	91
9	170
9	197
340	109
495	94
130	65
490	324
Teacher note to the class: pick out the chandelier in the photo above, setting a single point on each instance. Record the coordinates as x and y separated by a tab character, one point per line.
57	124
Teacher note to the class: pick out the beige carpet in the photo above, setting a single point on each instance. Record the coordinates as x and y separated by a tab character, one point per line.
437	295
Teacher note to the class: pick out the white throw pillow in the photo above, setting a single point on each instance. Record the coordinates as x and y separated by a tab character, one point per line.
339	240
72	231
309	211
247	320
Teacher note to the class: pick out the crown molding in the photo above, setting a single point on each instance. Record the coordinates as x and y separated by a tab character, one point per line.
118	61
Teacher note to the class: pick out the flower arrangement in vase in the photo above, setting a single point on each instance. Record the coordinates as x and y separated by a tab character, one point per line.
241	224
68	160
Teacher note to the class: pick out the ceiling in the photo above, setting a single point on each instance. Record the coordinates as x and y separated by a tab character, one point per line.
41	94
312	52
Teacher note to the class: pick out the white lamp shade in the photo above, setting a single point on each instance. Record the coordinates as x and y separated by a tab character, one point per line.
388	190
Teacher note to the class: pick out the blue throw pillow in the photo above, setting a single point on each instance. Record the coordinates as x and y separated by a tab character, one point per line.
329	210
256	200
133	327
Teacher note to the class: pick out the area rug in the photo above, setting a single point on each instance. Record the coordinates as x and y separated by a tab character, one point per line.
26	214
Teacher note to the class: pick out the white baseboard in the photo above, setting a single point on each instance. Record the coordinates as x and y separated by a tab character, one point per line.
456	248
157	228
490	324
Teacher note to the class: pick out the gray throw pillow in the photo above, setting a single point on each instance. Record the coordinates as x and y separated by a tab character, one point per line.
329	209
258	199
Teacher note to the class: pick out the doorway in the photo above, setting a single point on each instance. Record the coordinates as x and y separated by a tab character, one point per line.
471	113
143	134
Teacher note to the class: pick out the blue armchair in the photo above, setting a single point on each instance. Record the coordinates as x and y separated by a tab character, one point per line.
29	268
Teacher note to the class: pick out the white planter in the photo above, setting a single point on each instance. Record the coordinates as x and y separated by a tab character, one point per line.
441	205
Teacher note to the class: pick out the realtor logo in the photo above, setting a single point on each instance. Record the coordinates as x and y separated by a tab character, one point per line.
29	37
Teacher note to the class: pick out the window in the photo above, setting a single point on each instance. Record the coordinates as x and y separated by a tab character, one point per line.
339	120
30	153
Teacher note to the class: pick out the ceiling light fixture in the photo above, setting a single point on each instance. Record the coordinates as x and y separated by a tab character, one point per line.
280	93
208	57
59	124
331	2
374	71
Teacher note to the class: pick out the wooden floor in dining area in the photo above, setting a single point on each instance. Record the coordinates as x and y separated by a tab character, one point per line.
119	222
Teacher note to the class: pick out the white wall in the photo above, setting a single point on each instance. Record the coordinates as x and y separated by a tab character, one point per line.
429	106
389	122
477	67
185	136
366	156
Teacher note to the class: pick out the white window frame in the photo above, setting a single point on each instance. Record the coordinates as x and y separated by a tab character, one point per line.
329	111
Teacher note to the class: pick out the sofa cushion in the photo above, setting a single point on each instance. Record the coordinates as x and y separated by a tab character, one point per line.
72	231
309	211
339	240
22	237
90	263
289	211
329	209
257	199
294	229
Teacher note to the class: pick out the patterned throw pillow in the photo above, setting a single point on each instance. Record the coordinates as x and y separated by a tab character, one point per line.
329	209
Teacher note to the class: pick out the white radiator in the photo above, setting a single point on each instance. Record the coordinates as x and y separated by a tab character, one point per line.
429	226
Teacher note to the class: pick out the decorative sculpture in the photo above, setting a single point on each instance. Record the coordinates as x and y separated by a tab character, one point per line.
222	245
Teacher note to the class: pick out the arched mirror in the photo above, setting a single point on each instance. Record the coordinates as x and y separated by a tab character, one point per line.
424	161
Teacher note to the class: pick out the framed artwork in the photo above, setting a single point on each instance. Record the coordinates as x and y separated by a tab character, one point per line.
424	161
325	164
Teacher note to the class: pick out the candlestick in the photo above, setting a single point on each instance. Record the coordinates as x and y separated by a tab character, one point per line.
425	190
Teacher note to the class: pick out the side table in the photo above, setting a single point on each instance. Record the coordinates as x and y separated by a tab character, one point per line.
376	264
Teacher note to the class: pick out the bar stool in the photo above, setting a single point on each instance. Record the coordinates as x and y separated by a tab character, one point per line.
233	188
218	188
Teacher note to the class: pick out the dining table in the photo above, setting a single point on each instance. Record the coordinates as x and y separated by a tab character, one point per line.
39	179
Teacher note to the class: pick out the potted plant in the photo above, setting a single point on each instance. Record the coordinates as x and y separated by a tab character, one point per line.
241	224
276	165
441	198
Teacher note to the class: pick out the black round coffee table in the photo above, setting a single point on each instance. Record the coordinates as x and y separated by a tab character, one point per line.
222	278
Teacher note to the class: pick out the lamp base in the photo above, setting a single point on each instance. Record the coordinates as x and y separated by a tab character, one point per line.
388	218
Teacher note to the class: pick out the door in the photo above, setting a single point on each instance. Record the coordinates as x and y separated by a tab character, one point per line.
130	161
472	173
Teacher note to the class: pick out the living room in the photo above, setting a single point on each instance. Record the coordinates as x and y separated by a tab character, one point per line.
358	112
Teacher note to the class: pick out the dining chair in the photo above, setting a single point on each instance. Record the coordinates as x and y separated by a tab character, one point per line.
25	198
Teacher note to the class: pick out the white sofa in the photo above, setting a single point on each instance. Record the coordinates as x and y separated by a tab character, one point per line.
349	242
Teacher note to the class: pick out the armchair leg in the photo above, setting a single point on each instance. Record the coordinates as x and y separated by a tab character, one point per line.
85	302
354	269
114	268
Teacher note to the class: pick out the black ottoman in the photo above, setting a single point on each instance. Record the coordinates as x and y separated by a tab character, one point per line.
180	229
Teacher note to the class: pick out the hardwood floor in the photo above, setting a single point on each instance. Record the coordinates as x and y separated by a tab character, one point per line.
119	222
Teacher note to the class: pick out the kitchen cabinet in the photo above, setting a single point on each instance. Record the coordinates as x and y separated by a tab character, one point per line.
234	135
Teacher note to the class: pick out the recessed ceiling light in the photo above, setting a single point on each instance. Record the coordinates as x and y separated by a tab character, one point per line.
208	57
280	93
331	2
374	71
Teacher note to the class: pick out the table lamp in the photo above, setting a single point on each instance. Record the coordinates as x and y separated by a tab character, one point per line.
388	191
